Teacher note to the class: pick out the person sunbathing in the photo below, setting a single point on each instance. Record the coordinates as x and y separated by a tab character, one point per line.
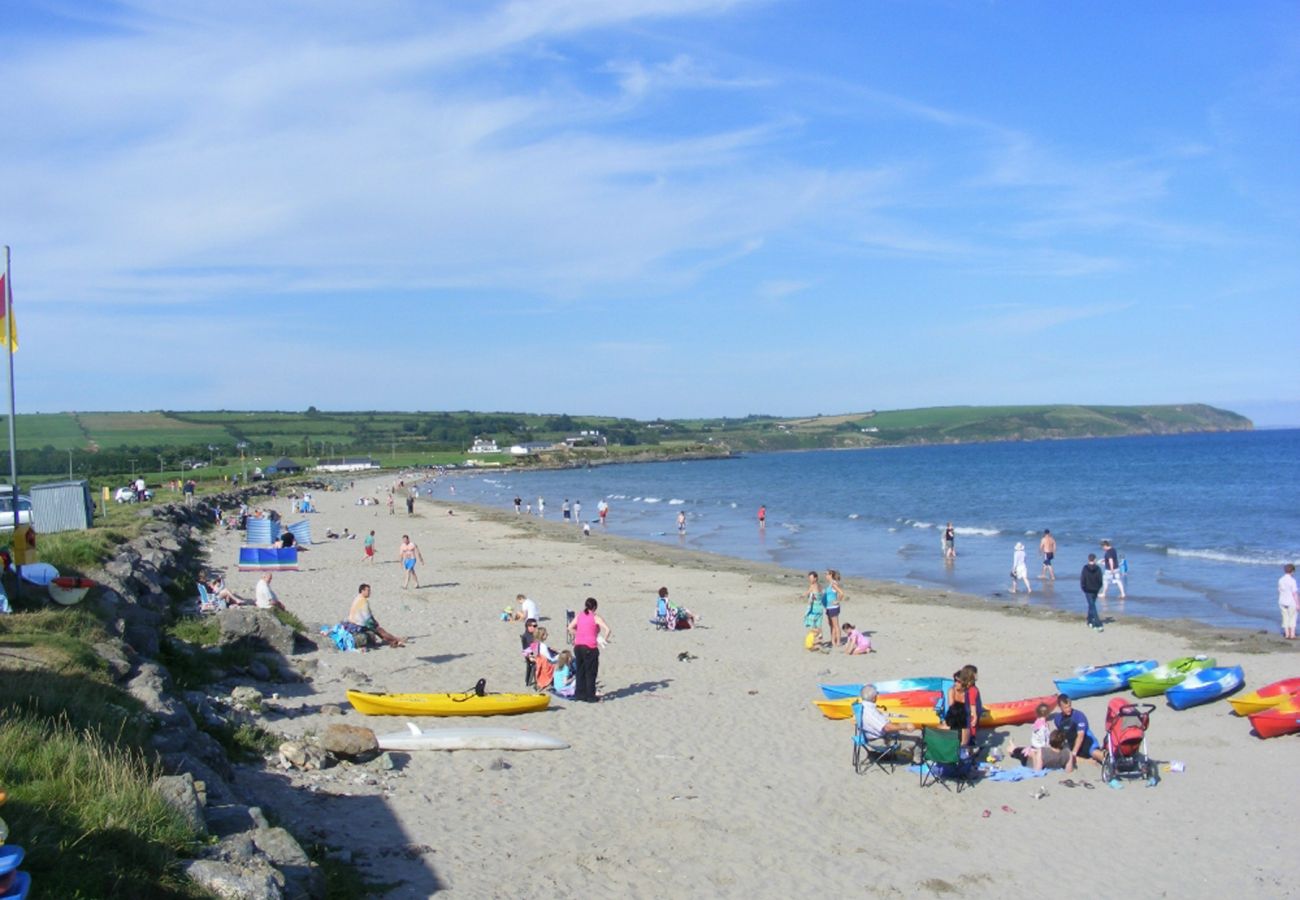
361	621
217	590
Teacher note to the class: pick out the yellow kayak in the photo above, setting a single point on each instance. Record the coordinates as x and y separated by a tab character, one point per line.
1267	697
463	704
843	708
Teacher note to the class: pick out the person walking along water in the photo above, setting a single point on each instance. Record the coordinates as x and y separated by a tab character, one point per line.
1090	581
1047	547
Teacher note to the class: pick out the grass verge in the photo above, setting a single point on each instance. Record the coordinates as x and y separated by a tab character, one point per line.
72	758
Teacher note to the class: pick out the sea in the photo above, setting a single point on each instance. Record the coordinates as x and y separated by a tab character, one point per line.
1204	522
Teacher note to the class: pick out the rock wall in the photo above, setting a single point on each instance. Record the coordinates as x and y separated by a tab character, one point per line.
141	595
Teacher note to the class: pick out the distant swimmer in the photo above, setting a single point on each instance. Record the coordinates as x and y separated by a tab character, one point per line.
1047	547
949	542
762	517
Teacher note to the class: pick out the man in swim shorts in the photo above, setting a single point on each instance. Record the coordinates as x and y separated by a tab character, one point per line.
1047	547
408	554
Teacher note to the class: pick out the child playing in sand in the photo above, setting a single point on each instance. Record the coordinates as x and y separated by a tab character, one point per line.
855	641
563	679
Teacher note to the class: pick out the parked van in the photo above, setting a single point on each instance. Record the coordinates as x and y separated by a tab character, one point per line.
7	509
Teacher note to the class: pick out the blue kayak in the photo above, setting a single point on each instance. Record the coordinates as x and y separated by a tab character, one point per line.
1091	681
897	686
1205	685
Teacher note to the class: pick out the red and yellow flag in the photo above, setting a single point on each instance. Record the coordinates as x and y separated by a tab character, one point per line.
8	327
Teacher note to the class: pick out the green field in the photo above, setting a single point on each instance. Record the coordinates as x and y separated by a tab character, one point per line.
105	445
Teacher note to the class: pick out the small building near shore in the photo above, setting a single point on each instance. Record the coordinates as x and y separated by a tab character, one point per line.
347	464
283	466
532	448
484	445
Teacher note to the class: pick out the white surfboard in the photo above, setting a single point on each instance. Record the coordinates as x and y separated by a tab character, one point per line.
467	738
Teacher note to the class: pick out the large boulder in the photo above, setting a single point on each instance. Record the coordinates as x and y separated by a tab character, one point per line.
149	686
256	629
349	741
254	880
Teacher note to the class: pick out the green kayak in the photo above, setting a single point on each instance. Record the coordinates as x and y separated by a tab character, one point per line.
1162	678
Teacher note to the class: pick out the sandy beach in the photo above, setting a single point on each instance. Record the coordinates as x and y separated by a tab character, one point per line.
715	775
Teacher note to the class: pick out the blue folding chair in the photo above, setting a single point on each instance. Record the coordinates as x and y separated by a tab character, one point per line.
872	751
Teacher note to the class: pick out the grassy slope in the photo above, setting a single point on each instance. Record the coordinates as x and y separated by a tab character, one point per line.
343	432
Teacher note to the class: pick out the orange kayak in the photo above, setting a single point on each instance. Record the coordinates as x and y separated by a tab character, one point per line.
1015	712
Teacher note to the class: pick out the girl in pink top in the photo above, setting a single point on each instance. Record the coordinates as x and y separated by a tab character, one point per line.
587	630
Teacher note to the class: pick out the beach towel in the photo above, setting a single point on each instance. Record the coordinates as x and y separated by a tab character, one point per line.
545	672
1024	773
340	637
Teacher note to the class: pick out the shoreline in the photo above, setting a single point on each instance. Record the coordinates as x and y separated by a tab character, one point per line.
707	753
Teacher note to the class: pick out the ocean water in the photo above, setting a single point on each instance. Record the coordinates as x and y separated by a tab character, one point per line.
1205	521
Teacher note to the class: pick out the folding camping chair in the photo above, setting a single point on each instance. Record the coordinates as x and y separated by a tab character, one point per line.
941	759
872	751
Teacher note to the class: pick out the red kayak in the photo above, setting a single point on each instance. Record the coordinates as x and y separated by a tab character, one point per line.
1279	720
1015	712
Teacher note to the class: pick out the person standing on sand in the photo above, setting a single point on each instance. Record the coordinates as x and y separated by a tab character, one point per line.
1090	581
565	512
812	617
587	631
391	511
519	502
1288	598
1047	547
408	554
577	511
831	599
1111	557
949	542
541	507
1020	569
368	548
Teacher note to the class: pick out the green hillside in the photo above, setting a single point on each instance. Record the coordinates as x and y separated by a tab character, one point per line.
104	443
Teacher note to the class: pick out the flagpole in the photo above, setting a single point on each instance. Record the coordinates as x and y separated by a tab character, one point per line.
13	447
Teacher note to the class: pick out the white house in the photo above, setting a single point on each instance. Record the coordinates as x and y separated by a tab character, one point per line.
484	446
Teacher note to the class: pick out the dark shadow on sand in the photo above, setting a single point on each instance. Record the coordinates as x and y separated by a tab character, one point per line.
640	687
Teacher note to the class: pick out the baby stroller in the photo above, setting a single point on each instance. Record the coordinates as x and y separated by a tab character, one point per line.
1125	745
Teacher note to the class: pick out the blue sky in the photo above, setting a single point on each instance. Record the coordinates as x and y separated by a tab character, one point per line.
652	207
